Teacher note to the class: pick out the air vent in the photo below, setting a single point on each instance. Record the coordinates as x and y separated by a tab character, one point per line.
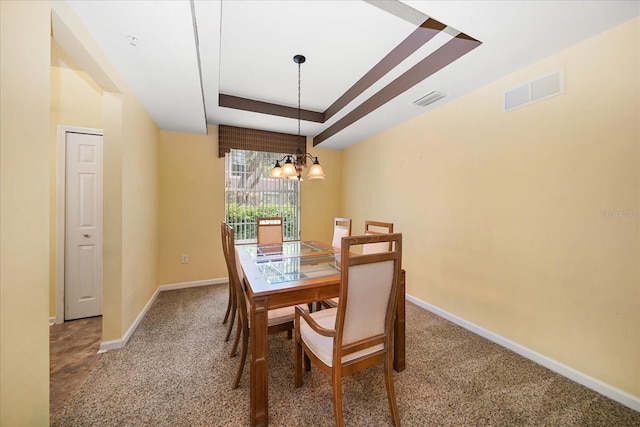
429	98
534	90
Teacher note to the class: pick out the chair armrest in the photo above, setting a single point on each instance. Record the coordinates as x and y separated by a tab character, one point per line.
301	312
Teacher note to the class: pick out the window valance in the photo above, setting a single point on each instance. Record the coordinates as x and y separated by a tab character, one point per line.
258	140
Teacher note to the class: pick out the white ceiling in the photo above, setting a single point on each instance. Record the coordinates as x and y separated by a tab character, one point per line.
188	52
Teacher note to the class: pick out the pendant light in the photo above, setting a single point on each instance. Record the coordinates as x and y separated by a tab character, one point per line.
294	163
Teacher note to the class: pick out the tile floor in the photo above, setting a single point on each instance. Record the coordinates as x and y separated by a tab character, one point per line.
73	351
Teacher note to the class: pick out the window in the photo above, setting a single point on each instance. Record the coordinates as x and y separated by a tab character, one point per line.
250	193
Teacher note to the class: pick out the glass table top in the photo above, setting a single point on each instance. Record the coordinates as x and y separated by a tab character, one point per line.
286	249
278	270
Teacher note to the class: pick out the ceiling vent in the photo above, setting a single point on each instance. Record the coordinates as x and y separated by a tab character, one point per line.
534	90
429	98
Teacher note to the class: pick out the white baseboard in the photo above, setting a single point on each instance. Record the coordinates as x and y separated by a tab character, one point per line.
594	384
115	344
194	284
52	321
120	343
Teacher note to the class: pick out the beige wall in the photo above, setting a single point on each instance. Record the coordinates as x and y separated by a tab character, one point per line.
192	205
113	325
24	213
140	155
76	100
505	214
321	201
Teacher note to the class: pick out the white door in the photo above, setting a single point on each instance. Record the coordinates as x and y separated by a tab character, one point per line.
83	228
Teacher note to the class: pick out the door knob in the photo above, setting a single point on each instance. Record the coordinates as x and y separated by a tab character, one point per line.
86	235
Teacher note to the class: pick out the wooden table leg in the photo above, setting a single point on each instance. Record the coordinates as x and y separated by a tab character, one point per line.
399	326
259	370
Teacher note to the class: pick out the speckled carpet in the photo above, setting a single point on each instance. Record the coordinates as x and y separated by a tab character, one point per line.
176	371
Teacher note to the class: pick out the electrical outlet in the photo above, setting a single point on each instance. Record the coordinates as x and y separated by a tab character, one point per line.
185	259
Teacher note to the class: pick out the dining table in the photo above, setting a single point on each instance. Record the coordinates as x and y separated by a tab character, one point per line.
288	274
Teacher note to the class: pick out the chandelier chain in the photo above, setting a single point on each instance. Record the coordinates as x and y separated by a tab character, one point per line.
298	99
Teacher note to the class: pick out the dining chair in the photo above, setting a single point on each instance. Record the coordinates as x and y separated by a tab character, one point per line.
269	230
377	227
279	320
341	228
231	304
357	334
370	228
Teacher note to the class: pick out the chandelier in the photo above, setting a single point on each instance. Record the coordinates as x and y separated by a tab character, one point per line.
294	163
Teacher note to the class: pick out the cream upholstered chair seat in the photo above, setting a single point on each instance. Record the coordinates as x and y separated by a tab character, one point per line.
276	316
279	316
323	346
